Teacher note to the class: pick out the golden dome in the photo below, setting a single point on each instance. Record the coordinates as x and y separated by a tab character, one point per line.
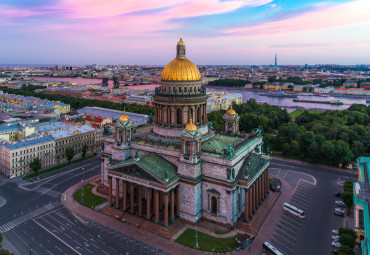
180	69
231	111
191	126
124	117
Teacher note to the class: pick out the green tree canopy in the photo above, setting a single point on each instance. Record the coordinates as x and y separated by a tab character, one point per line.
347	239
36	165
348	200
70	152
346	250
84	150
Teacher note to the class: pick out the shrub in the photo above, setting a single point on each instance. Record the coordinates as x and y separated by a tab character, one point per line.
347	239
346	250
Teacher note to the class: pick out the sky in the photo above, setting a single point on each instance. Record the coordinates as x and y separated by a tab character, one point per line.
216	32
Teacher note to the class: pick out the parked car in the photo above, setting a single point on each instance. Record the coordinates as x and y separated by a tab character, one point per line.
335	238
335	231
334	251
339	213
338	194
336	244
339	210
340	203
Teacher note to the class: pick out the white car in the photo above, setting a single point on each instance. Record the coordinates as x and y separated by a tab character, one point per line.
339	210
334	231
340	203
336	244
335	238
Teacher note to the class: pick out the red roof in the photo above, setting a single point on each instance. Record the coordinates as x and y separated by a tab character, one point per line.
340	89
355	89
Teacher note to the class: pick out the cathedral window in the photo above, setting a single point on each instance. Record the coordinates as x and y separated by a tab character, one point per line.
179	116
187	147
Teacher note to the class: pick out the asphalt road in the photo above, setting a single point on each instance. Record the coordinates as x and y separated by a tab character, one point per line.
315	195
33	216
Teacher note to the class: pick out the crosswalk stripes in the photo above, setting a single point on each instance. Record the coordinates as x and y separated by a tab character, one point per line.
38	212
2	183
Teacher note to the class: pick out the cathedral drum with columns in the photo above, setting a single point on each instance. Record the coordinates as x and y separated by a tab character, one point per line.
183	169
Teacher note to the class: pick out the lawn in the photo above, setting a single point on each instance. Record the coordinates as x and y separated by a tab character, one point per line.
57	167
207	242
89	199
296	113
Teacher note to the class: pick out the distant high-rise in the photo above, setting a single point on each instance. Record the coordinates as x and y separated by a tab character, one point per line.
275	59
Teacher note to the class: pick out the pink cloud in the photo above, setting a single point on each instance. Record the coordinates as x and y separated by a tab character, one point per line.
194	8
321	18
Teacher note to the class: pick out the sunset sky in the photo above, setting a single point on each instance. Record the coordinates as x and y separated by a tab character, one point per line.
215	32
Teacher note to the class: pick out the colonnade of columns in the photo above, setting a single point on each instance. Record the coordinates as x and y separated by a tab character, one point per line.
179	116
135	196
256	194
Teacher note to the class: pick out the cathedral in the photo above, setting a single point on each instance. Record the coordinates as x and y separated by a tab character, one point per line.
182	168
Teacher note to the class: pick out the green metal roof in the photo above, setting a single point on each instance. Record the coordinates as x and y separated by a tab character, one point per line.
154	166
218	143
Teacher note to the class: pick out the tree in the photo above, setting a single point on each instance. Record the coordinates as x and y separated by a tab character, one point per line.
294	148
36	165
84	150
70	152
346	239
347	199
346	250
307	138
327	150
348	231
357	149
286	148
313	151
5	252
342	153
348	186
1	238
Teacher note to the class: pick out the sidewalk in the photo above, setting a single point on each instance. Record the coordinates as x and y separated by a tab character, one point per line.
146	237
345	170
268	228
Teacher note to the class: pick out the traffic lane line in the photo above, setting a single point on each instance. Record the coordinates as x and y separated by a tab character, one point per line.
280	245
285	243
289	230
299	204
288	235
292	222
290	226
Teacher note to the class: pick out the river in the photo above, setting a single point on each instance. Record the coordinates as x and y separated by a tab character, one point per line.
281	101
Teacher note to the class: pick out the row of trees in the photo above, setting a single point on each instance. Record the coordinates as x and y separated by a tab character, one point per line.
79	102
347	238
253	115
334	136
36	164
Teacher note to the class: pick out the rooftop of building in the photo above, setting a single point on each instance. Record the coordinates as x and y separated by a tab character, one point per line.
115	114
70	130
13	145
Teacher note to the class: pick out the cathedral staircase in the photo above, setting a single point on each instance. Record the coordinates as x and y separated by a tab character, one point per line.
160	230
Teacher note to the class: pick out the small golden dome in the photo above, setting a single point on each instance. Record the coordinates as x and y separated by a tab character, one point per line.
231	111
124	117
181	42
191	126
180	69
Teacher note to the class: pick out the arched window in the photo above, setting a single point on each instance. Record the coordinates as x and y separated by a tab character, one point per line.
187	147
179	116
214	205
198	114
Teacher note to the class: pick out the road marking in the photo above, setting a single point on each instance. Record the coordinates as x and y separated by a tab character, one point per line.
57	237
285	233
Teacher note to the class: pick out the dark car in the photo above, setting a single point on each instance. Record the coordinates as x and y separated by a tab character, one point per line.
339	213
334	252
338	194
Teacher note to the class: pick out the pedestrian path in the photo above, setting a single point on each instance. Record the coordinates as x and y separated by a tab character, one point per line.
29	216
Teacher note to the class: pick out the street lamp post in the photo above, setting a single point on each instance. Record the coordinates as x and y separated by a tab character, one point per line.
196	232
82	189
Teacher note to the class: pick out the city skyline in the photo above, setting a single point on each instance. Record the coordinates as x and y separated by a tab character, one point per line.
241	32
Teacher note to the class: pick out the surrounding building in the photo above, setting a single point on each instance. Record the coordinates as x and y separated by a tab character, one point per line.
222	100
183	168
361	197
15	157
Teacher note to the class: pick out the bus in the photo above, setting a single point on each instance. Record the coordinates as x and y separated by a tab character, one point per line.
269	249
294	210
